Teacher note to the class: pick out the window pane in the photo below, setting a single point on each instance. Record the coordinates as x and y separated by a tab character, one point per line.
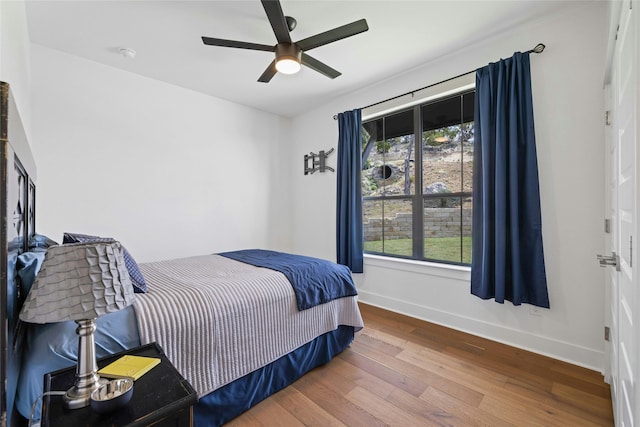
445	238
467	157
442	146
467	142
393	235
466	229
388	156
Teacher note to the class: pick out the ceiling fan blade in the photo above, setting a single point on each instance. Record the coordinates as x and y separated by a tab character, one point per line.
277	20
234	43
320	67
268	73
336	34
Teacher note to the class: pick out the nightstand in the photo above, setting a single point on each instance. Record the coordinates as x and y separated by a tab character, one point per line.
161	397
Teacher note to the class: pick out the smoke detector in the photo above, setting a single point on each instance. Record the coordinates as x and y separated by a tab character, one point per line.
127	52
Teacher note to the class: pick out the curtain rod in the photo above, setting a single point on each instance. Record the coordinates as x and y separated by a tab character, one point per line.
538	49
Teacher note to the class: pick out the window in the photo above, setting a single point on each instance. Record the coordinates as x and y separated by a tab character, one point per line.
417	180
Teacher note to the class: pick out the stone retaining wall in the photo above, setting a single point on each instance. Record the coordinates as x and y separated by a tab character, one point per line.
439	222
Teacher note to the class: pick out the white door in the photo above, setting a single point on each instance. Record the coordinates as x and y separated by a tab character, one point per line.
623	180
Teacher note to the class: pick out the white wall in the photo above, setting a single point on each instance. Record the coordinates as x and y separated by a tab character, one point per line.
14	56
167	171
569	107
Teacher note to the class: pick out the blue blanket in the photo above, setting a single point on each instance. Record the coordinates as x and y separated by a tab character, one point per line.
315	281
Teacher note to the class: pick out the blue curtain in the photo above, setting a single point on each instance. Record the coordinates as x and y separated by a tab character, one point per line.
507	257
349	234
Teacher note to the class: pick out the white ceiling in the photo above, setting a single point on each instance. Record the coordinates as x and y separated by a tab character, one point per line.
166	36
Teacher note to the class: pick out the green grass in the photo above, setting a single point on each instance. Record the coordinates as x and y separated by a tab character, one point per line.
438	248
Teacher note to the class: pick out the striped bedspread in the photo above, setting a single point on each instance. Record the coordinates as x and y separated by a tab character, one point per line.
218	319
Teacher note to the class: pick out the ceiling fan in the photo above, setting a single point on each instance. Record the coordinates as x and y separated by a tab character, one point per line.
290	55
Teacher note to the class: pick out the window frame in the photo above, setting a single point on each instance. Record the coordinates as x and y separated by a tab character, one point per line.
419	197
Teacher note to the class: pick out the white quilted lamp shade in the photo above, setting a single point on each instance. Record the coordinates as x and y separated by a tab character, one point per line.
79	281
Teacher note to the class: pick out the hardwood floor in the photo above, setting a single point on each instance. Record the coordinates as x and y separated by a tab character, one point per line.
401	371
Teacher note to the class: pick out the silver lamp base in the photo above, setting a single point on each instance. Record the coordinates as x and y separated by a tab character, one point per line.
87	378
77	398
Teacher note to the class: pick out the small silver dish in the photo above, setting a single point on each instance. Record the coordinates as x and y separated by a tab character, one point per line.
112	395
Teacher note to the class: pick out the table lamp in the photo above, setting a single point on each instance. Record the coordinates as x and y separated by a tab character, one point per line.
80	282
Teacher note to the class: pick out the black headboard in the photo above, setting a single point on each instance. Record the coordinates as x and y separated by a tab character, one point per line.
17	226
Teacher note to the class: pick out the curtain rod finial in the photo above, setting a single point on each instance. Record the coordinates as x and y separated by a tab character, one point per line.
539	48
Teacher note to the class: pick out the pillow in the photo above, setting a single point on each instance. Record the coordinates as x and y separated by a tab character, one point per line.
39	242
139	285
28	265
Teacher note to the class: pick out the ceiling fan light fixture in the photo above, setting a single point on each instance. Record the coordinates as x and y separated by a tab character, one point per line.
287	66
288	58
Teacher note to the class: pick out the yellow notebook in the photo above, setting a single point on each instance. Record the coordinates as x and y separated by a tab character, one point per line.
129	366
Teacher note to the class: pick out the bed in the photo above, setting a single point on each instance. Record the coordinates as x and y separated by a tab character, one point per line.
238	329
17	225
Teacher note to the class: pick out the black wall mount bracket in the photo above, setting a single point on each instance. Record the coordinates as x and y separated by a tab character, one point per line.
317	162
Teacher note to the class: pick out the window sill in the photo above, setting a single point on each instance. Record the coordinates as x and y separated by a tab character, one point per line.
456	272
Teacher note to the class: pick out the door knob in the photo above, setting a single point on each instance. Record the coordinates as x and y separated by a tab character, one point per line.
613	260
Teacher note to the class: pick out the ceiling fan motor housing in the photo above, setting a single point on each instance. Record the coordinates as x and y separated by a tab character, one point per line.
288	51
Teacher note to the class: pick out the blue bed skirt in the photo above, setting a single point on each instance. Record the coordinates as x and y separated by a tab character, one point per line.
229	401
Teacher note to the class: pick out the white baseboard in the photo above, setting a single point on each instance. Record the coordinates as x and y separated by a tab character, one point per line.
577	355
